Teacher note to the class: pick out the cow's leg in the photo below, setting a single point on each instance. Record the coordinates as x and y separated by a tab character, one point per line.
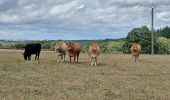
95	63
29	57
61	57
35	56
38	56
92	61
138	57
95	60
135	57
75	58
70	59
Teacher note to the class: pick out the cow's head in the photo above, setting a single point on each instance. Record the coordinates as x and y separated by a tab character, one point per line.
135	48
58	48
69	46
25	56
69	49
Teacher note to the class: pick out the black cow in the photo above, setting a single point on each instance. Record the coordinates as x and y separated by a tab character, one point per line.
32	49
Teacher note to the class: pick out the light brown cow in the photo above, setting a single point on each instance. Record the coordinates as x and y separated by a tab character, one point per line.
61	48
135	51
74	50
94	52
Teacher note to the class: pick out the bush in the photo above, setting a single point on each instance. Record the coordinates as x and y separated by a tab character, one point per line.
138	35
19	45
1	46
165	32
162	45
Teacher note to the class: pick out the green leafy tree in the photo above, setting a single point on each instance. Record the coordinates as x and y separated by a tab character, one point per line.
138	35
1	45
19	45
84	47
165	32
162	45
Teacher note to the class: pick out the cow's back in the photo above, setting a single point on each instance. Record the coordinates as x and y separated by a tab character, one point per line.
94	49
61	46
33	48
75	47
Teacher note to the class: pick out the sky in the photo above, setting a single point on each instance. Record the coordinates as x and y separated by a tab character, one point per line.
78	19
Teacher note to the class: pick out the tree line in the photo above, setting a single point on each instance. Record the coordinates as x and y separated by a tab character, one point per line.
143	37
140	35
107	46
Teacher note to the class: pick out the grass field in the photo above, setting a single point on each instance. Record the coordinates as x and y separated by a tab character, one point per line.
115	78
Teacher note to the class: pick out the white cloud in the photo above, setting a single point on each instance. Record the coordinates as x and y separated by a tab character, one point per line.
81	6
59	9
80	16
8	18
161	15
2	1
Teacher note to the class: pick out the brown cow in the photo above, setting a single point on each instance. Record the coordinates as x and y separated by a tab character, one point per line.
74	50
61	49
135	51
94	52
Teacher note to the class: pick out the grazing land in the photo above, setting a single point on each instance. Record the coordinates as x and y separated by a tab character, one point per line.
116	77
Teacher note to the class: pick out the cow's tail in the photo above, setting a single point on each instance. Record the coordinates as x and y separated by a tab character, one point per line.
94	50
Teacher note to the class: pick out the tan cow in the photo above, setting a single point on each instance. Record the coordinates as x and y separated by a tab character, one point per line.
135	51
61	48
94	52
74	50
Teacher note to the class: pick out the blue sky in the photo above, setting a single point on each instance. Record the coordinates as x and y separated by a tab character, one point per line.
77	19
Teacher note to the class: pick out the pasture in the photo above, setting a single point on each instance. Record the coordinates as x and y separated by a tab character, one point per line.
116	77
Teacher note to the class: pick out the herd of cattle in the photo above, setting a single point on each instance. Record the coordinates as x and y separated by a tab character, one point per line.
74	50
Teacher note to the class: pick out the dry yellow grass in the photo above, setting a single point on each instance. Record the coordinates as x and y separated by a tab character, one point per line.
115	78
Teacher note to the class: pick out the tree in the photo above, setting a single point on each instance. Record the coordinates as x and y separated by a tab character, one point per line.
1	46
165	32
138	35
162	45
